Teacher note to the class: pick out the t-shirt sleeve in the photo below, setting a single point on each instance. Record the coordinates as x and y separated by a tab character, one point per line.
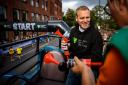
114	70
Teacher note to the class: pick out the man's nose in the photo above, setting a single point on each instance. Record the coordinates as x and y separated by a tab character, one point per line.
85	20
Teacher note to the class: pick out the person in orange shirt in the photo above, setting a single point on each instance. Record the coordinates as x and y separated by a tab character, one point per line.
115	68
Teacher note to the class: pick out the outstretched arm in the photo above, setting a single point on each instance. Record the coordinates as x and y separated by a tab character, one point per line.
81	68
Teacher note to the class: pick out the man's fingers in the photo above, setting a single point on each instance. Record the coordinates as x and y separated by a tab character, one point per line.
76	60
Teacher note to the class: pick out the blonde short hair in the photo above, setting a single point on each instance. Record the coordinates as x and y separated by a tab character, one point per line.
81	8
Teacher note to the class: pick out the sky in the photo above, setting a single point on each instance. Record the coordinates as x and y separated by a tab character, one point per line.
73	4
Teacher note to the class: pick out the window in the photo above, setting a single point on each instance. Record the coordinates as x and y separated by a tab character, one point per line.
45	18
52	18
42	17
32	2
3	13
37	17
24	16
46	6
33	16
16	15
24	0
42	3
37	3
55	5
55	12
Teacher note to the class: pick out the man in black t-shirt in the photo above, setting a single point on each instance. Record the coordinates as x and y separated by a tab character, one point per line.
85	42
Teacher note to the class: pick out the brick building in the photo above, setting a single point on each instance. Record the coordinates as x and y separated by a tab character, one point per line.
27	10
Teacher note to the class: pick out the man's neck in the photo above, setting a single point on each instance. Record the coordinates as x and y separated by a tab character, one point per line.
81	30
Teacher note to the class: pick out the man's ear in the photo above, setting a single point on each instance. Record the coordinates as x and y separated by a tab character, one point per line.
123	6
76	19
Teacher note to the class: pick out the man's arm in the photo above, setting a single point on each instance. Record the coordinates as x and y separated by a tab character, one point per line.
85	71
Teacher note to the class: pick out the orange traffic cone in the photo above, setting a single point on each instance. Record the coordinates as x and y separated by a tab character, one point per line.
49	58
59	33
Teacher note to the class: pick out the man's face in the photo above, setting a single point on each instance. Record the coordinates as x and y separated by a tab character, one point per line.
83	18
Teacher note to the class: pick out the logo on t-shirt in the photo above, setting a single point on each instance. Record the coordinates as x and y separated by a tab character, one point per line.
75	40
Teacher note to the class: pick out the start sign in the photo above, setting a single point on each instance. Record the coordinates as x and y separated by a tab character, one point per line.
23	26
27	26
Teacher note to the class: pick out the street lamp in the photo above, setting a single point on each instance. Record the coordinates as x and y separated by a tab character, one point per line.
99	14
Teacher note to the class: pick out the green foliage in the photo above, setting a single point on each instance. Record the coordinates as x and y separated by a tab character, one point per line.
69	17
112	24
101	18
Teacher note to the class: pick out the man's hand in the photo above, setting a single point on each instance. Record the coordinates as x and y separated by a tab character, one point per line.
85	71
79	66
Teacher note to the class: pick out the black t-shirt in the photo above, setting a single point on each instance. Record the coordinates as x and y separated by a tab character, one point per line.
87	44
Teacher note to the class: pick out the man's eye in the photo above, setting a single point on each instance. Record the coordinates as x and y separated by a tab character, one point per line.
87	17
81	17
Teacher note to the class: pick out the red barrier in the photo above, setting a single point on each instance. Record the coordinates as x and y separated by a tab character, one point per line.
90	63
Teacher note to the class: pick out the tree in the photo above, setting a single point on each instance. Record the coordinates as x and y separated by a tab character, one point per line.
69	17
101	18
